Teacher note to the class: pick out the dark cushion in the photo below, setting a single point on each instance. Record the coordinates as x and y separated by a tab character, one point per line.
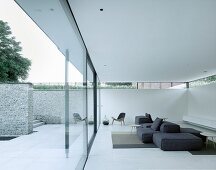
177	141
168	127
142	119
156	124
149	116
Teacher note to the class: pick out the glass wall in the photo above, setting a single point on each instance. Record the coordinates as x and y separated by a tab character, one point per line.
90	102
143	85
203	81
98	103
69	110
75	117
161	85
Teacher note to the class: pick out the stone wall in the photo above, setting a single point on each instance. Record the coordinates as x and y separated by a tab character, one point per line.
49	105
16	109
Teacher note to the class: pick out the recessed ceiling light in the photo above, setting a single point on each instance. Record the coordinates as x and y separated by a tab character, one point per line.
101	9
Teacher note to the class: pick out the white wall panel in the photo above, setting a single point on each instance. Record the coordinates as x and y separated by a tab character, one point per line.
202	101
160	103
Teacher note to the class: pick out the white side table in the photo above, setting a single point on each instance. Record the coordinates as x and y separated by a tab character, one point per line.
164	118
208	136
134	127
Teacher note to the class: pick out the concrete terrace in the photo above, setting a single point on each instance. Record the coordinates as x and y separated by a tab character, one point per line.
43	149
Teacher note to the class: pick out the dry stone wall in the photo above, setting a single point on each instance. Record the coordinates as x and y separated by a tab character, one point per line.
49	105
16	109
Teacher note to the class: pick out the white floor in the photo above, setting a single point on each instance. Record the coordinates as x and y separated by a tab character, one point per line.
42	150
104	157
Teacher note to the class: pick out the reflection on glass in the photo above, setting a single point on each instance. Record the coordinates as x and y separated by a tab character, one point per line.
98	104
90	104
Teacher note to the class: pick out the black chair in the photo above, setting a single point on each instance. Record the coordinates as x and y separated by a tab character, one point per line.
120	118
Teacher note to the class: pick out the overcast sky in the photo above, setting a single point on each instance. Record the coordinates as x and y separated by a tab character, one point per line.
47	61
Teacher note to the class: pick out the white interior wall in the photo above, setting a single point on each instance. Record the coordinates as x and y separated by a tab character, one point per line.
170	103
202	101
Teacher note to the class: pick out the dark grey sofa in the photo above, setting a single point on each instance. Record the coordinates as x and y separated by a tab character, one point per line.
170	137
177	141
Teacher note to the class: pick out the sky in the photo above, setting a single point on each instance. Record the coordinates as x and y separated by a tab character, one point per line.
47	61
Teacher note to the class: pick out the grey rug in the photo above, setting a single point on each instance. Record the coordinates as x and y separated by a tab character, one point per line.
210	150
122	140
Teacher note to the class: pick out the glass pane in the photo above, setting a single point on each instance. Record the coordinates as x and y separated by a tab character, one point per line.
61	106
98	104
77	114
90	104
161	85
203	81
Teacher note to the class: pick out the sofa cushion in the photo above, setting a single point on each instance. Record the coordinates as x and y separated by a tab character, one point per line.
148	116
168	127
156	124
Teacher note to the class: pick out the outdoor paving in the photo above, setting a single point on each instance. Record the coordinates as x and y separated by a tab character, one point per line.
42	150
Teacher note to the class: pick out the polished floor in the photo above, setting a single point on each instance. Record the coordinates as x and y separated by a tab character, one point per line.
104	157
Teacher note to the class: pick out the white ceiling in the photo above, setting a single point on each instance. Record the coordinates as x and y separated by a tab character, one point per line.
141	40
149	40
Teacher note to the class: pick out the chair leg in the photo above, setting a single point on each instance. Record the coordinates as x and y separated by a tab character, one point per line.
112	121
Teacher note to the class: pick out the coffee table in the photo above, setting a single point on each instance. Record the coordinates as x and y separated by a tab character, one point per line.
208	136
134	127
164	118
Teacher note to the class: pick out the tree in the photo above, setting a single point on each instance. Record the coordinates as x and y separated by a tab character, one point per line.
13	67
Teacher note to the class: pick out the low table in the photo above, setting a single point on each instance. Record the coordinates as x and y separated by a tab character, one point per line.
134	127
209	135
164	118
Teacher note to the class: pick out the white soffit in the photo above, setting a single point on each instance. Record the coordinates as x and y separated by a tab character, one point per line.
149	40
51	17
135	40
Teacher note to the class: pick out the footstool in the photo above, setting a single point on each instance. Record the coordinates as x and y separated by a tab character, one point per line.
194	132
177	141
